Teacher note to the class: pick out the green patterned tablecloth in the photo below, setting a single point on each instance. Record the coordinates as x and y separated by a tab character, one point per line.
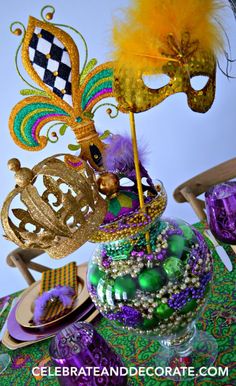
139	351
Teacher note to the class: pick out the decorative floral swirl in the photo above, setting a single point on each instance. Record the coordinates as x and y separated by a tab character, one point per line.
28	120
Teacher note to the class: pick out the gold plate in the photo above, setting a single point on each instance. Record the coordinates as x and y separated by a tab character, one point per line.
14	344
24	310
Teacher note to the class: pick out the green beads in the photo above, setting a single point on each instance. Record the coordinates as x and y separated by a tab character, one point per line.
151	279
189	306
125	287
187	231
119	252
95	274
173	268
176	245
163	311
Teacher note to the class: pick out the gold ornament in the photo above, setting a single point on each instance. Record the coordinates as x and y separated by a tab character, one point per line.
108	184
60	224
49	15
17	32
72	105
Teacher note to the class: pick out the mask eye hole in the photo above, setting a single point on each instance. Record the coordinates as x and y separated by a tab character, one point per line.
198	82
96	154
156	81
126	182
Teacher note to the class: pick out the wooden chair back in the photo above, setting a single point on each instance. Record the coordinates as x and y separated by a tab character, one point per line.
191	189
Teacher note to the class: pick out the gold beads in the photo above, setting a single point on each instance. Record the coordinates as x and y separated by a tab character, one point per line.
108	184
17	32
49	15
23	176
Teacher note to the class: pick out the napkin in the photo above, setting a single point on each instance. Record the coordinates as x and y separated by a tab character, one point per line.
64	276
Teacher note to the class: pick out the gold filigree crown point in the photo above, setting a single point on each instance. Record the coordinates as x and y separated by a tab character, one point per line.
23	176
14	164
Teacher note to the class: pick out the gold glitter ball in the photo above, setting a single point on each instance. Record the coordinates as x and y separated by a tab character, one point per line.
17	32
49	15
108	183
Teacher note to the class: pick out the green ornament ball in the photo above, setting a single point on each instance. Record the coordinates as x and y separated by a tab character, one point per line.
95	274
149	324
189	306
178	330
163	311
176	245
151	279
125	287
105	291
173	268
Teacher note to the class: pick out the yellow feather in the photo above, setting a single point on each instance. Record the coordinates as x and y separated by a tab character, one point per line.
141	44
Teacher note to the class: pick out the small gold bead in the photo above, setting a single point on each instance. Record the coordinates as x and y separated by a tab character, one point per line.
63	91
49	16
39	35
55	73
17	32
48	56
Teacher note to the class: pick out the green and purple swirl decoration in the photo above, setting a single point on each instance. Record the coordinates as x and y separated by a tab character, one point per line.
97	86
27	120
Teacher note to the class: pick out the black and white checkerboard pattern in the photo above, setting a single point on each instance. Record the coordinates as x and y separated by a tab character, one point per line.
51	61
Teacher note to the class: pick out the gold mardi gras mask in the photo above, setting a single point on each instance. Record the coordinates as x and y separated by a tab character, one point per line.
172	37
68	96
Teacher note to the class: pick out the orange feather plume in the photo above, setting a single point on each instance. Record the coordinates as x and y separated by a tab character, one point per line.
141	41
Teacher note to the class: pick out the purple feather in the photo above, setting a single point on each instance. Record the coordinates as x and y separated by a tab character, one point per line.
63	293
118	155
119	158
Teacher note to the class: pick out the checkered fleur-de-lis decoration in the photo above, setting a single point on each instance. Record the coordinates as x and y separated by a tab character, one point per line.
67	96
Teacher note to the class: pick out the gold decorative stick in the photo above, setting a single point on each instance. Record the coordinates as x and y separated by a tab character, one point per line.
137	171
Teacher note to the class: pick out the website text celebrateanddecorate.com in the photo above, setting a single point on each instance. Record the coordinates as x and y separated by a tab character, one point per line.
131	371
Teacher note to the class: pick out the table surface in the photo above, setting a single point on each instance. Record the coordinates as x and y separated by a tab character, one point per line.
140	351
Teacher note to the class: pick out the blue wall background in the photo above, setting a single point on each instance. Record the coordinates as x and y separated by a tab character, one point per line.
181	143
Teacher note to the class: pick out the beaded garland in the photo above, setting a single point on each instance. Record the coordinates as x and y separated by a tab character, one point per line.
140	291
137	220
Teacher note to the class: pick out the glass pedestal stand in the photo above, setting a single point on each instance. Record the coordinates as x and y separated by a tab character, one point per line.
186	356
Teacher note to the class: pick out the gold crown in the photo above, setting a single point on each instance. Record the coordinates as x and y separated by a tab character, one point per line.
64	216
